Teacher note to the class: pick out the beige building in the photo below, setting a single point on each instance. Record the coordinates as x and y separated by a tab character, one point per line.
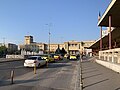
75	47
28	39
53	47
29	45
42	47
71	47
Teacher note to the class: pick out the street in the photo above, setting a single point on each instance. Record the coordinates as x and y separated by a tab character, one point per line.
57	76
7	67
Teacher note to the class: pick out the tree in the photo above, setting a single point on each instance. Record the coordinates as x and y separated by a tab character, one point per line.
82	43
58	51
63	52
3	51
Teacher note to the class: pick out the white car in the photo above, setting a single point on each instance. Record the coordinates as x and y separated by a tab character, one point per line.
34	61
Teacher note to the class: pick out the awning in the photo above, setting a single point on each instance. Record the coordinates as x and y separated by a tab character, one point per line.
113	10
115	38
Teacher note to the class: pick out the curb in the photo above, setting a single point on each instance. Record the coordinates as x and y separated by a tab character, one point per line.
11	60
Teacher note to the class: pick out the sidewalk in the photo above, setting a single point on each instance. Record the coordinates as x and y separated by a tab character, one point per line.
98	77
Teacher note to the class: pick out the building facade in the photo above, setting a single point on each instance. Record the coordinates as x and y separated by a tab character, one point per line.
71	47
75	47
28	40
53	47
11	48
42	47
29	45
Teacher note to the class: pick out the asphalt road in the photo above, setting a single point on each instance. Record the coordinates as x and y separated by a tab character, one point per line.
7	67
57	76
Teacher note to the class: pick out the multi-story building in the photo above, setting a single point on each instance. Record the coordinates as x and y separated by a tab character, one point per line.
28	40
29	45
42	47
11	48
71	47
75	47
53	47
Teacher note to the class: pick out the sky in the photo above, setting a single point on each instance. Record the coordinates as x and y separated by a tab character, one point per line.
66	19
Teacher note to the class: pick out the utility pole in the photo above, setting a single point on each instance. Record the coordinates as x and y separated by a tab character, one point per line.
49	25
49	40
3	41
99	17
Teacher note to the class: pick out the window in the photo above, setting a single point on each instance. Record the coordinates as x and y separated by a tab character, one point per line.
39	58
79	46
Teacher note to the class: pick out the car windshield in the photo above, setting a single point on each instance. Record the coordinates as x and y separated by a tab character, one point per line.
56	55
73	55
32	58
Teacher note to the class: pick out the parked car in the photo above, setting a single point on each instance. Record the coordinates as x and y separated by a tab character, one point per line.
47	57
73	57
58	57
66	56
34	61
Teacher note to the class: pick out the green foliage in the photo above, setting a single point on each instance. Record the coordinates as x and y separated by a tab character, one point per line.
58	51
3	51
82	43
63	52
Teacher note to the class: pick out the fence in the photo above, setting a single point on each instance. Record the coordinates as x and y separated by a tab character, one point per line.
110	59
112	55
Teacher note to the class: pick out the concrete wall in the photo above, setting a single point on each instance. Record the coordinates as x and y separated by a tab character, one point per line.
110	59
15	56
112	55
115	67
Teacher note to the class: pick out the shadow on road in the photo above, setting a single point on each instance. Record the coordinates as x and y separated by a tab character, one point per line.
90	71
58	65
8	82
96	83
95	75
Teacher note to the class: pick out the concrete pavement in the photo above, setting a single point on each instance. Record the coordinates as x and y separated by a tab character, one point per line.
98	77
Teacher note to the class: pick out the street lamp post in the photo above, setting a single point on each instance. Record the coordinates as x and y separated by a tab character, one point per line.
49	41
4	41
48	37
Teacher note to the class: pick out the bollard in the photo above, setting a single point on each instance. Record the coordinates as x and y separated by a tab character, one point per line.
81	79
35	69
81	82
12	76
47	63
81	85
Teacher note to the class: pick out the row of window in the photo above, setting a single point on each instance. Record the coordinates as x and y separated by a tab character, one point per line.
72	45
